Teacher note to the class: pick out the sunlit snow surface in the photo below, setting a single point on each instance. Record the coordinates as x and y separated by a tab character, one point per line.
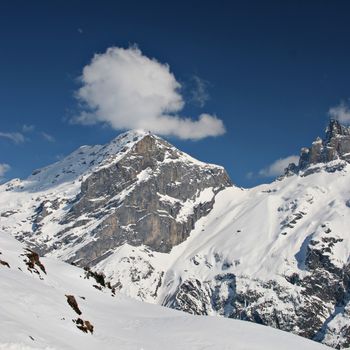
244	234
34	314
251	233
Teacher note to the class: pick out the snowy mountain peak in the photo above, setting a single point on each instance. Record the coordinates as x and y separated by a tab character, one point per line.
89	159
86	160
137	189
79	164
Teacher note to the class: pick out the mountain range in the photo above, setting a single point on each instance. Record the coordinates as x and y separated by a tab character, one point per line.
152	223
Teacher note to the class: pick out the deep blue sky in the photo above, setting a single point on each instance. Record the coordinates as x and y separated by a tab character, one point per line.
274	69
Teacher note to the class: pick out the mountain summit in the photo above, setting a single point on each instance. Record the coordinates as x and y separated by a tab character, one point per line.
330	153
138	189
335	145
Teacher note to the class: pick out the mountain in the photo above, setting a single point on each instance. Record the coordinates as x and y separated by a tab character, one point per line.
165	228
48	304
136	191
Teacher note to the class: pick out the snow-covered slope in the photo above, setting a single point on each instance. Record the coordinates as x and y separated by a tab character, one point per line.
167	229
35	314
277	254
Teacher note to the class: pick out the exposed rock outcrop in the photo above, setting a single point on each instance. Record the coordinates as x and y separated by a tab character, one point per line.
334	146
84	326
33	261
73	303
4	263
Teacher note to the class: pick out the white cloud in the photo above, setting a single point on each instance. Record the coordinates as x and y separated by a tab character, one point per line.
278	166
200	93
48	137
340	112
127	90
16	137
4	168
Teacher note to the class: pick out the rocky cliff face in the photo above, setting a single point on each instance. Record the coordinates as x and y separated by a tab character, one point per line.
138	189
313	304
335	146
152	197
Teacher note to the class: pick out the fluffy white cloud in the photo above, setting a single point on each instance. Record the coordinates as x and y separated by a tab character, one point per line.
278	166
127	90
340	112
16	137
4	168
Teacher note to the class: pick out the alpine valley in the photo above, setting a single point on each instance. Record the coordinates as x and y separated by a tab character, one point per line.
148	222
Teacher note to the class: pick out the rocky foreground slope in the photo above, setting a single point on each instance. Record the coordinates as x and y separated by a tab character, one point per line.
167	229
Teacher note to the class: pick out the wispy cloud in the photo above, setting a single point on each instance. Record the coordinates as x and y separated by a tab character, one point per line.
48	137
27	128
278	166
199	92
4	168
250	175
128	90
15	137
340	112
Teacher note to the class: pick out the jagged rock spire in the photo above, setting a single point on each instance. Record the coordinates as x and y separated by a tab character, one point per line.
335	129
335	145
